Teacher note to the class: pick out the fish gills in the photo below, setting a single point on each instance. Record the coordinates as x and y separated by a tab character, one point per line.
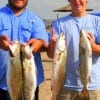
85	54
59	66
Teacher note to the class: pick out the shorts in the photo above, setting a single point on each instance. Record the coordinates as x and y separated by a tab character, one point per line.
4	95
76	95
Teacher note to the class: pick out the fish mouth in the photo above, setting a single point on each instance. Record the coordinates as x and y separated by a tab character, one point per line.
25	53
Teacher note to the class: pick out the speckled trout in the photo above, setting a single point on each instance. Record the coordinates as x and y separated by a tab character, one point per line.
85	54
14	71
21	72
59	66
29	73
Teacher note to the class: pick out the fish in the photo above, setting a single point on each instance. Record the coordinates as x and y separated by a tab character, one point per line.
85	66
29	73
14	71
21	72
59	66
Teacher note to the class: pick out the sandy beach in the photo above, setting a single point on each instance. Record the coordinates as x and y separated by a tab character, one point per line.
45	87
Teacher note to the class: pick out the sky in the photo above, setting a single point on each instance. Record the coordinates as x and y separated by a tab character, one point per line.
44	8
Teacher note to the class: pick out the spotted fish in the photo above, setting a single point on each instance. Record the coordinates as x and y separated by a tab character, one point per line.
14	71
29	73
21	72
85	54
59	66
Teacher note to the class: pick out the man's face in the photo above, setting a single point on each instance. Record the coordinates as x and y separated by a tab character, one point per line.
18	4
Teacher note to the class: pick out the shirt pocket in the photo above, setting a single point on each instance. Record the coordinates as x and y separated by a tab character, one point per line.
4	29
26	31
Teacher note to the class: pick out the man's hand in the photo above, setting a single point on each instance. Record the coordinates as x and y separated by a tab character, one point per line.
95	47
36	44
4	42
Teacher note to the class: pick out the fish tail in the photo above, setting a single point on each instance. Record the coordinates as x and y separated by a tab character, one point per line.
84	94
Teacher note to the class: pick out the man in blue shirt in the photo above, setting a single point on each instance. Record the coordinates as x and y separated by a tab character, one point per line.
71	25
18	23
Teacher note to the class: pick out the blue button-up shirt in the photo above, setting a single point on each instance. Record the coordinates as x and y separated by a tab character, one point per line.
23	27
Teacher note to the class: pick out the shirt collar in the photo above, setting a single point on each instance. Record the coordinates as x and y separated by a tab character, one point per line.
11	11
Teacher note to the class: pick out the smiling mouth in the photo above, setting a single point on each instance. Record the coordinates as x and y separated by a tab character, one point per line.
77	6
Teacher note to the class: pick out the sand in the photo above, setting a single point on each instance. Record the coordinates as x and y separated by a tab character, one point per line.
45	87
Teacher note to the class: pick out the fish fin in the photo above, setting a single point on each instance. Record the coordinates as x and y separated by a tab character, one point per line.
89	79
79	72
90	53
10	51
89	50
57	57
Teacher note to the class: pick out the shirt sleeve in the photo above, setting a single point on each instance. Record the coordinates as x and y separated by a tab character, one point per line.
39	30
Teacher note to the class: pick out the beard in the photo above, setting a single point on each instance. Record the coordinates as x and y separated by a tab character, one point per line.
15	7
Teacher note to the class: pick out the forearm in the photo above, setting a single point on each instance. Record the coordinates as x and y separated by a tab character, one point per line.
38	46
95	47
44	47
50	49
